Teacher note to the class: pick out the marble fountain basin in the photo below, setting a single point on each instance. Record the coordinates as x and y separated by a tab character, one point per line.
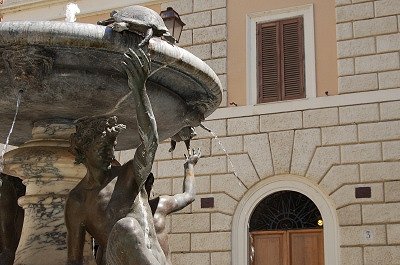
71	70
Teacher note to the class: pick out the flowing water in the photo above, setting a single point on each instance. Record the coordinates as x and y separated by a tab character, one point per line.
9	133
222	147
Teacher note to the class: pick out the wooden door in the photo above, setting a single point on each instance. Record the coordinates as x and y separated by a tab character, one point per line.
293	247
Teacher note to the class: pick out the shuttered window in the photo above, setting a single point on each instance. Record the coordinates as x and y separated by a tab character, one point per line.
280	59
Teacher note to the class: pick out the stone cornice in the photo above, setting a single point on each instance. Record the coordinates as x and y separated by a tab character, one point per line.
308	103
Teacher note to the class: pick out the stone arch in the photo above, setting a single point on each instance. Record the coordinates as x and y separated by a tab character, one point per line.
274	184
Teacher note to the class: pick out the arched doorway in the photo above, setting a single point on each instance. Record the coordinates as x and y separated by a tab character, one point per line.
286	228
266	187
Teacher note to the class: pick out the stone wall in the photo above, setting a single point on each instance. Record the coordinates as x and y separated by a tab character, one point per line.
368	44
336	148
205	33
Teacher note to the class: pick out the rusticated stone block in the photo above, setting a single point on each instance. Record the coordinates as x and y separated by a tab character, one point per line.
355	12
356	47
219	49
305	143
188	258
387	7
320	117
377	63
344	31
324	158
359	153
200	5
220	222
229	184
232	145
181	6
393	233
359	113
363	235
380	131
281	121
351	255
382	171
376	26
345	67
281	149
339	175
215	241
179	242
358	83
392	193
190	223
218	65
350	215
218	16
258	148
209	34
389	79
197	20
203	51
390	110
381	213
221	258
388	43
244	169
245	125
387	255
186	38
339	135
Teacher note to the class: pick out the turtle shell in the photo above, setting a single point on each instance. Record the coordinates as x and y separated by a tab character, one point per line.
141	18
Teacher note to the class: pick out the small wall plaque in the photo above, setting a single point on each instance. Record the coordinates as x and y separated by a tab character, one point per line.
363	192
207	202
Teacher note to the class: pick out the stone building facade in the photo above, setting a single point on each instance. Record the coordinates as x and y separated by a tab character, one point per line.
324	146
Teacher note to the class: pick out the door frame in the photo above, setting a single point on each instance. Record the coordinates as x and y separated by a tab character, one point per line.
274	184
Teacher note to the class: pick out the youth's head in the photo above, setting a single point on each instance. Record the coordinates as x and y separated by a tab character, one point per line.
94	141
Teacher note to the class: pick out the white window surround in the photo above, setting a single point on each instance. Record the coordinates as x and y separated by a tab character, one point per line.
55	9
271	185
307	12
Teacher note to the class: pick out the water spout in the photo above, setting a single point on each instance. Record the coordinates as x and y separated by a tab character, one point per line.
9	133
71	11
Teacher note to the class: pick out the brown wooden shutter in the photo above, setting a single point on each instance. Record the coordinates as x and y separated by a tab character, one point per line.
280	55
292	63
268	62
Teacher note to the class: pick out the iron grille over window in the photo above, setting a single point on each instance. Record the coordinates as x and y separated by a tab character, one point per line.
280	60
285	210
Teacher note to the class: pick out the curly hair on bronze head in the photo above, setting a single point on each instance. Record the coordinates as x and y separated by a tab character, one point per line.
90	129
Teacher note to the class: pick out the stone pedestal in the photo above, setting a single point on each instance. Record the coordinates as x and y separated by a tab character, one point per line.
49	173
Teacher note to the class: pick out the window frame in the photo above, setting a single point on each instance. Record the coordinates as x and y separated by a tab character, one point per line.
307	12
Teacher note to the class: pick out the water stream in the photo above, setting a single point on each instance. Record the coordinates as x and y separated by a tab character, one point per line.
10	132
222	147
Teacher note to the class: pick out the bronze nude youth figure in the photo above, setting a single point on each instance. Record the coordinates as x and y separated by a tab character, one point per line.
105	197
164	205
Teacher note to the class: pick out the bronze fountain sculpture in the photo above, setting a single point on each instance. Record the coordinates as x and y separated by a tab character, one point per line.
63	68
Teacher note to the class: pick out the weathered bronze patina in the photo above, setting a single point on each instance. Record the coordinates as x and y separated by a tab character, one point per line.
109	198
11	217
164	205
